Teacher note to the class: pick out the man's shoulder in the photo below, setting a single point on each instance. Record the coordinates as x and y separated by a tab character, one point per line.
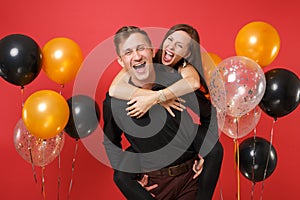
109	100
165	69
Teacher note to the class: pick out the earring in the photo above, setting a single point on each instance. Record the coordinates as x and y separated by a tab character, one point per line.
184	63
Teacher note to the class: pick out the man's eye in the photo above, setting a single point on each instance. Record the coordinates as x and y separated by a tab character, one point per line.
142	48
127	53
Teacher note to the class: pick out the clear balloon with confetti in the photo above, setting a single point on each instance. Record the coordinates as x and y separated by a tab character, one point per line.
237	85
39	152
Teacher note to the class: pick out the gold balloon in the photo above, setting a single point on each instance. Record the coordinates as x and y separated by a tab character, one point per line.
209	63
62	58
217	59
259	41
45	114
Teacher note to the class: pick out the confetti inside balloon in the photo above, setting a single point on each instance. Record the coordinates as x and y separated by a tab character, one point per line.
34	150
237	85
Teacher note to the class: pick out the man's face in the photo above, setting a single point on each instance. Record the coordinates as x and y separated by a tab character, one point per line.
136	57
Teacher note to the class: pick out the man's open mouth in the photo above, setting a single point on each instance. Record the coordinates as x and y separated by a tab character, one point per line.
139	66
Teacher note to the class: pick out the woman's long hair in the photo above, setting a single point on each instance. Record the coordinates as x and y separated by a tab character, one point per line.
195	56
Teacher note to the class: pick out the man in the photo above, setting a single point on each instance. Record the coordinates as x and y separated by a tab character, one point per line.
161	145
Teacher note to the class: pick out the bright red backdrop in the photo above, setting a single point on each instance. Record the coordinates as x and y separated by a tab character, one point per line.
91	22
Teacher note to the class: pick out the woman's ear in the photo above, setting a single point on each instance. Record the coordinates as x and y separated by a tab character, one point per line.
188	55
120	61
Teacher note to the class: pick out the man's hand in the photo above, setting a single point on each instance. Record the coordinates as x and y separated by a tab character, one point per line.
144	181
198	167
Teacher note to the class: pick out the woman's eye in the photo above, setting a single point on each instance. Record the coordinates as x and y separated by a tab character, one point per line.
180	46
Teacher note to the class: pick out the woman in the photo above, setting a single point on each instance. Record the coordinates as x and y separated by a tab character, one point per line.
180	50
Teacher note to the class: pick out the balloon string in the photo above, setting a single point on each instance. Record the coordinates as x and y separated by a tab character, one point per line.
59	176
268	158
32	165
44	142
236	148
252	168
236	143
31	159
61	88
73	168
43	183
22	97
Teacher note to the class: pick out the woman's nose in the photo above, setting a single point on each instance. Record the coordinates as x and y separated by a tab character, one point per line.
171	45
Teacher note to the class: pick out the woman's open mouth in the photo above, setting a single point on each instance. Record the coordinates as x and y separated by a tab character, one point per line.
168	56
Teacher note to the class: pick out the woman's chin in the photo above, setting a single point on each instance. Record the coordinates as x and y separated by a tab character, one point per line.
167	63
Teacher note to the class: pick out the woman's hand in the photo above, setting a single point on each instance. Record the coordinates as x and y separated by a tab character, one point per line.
176	103
198	167
139	105
144	181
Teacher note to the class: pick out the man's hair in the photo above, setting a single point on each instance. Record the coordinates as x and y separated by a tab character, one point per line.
124	32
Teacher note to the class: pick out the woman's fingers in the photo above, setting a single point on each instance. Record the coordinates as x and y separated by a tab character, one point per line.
181	100
144	181
198	167
170	111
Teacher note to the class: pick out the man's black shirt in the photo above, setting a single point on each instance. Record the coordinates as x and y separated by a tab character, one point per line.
159	139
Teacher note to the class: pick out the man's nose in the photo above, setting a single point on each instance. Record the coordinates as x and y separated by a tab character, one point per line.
137	55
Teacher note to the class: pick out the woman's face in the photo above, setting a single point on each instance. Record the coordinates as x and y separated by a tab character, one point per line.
175	47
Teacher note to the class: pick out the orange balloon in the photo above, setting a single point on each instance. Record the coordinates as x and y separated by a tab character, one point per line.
217	59
209	63
62	58
259	41
45	114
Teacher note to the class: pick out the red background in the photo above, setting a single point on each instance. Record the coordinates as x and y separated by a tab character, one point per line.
91	22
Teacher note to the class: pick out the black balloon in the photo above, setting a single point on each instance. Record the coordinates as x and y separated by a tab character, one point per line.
282	93
20	59
256	158
84	116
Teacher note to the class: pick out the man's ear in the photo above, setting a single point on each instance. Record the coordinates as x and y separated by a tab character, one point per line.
120	61
153	52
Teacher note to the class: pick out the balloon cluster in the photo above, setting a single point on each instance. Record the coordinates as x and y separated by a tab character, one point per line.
240	90
46	115
239	87
21	59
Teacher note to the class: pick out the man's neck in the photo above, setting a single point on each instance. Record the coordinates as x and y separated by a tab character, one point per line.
145	84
